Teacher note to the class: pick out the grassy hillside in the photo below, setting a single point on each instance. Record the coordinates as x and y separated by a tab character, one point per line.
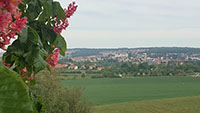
174	105
110	90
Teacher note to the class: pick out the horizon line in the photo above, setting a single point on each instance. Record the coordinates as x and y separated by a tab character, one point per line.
131	47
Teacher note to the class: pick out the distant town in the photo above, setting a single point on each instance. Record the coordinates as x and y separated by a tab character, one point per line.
79	58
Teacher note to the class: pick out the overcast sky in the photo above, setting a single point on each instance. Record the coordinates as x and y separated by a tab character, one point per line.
134	23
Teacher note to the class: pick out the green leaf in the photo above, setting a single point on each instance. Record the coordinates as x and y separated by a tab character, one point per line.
49	68
51	9
34	9
32	54
23	35
39	64
7	57
1	64
34	36
48	34
43	53
46	13
14	96
16	48
58	11
36	59
61	43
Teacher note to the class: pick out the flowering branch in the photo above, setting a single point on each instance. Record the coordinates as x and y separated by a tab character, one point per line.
10	21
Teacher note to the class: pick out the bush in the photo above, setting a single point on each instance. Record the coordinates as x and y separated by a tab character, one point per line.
58	99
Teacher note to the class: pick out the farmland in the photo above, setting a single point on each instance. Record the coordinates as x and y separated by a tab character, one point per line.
172	105
116	90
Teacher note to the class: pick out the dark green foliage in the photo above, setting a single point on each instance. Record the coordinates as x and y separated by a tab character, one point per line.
14	96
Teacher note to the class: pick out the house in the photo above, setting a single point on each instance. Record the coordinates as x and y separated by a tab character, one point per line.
76	67
181	63
109	67
73	67
92	66
61	65
83	67
157	61
100	68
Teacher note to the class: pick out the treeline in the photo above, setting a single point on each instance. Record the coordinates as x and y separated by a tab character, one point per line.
127	69
164	50
143	69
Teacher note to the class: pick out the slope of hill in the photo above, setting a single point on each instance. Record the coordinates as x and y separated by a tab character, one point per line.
116	90
173	105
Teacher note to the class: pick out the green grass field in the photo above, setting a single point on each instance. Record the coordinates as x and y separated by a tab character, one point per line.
117	90
172	105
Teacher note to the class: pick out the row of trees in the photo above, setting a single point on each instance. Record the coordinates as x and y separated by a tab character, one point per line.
140	70
143	69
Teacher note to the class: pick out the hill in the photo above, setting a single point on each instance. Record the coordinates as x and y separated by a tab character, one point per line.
77	52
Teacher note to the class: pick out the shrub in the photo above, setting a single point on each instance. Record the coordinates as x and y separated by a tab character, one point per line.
58	99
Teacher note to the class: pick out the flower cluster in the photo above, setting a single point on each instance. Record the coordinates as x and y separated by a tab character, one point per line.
24	73
6	64
63	23
71	9
10	21
52	59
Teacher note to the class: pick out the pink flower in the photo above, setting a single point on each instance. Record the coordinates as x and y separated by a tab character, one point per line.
6	64
54	46
24	70
53	58
9	26
71	9
11	5
27	78
18	24
5	20
63	24
31	78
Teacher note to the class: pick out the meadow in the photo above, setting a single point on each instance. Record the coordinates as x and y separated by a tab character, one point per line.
117	90
171	105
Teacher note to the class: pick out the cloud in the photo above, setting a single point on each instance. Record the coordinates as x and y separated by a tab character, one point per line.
125	20
88	38
92	35
136	14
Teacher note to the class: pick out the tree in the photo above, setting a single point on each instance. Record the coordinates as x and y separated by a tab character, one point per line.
36	26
